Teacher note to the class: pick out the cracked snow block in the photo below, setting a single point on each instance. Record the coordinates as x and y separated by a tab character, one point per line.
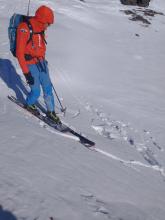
102	210
136	17
140	18
152	13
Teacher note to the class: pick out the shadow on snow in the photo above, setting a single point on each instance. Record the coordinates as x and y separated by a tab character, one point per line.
6	215
12	79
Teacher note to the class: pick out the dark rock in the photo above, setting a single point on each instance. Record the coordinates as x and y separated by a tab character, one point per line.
141	3
129	2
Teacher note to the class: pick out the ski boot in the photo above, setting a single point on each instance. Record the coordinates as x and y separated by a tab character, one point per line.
53	117
33	109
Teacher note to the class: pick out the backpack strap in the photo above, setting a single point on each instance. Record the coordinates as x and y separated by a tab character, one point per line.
42	33
30	30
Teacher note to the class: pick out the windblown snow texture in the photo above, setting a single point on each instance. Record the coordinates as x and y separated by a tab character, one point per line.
107	66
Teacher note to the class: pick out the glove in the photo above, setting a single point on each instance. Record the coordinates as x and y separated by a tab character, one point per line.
29	78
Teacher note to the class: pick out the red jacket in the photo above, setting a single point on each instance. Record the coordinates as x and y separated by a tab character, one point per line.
36	47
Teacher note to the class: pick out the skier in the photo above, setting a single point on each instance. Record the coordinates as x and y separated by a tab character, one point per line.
30	52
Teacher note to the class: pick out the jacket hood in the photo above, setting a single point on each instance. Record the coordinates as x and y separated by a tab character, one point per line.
45	15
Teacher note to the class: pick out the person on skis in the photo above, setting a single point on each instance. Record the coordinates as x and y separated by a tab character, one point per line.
30	52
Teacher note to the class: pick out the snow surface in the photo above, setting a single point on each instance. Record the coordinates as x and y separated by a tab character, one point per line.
109	72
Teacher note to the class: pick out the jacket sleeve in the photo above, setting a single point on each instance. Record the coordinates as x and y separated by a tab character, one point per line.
23	35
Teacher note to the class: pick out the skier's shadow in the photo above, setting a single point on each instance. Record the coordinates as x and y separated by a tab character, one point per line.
6	215
12	79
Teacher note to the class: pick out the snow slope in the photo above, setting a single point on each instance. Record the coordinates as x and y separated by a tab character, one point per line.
109	72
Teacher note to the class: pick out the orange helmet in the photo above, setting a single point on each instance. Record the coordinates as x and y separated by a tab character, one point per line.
45	15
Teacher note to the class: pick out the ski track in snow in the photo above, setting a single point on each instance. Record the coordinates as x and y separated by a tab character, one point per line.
97	206
142	142
148	154
25	198
105	210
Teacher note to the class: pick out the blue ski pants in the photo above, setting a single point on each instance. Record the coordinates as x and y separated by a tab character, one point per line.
41	77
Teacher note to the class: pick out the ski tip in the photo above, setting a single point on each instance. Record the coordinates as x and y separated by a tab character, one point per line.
89	144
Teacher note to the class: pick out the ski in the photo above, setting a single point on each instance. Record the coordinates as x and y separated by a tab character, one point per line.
59	127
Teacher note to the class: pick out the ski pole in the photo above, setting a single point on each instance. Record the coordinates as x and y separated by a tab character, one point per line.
28	8
62	108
